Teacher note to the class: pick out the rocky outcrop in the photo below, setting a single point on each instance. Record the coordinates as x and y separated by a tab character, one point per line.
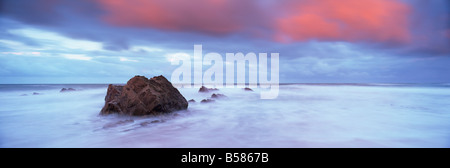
206	90
67	90
142	96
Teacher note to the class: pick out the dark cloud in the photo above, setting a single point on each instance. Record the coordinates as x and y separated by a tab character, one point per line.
116	45
377	21
430	22
33	12
251	26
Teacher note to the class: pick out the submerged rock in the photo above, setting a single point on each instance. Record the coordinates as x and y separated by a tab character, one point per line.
207	101
67	90
205	89
217	95
118	123
36	93
149	122
142	96
155	121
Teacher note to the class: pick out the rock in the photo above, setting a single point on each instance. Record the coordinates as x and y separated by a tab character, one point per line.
248	89
150	122
218	95
191	101
144	123
205	89
67	90
207	101
23	95
36	93
115	124
155	121
142	96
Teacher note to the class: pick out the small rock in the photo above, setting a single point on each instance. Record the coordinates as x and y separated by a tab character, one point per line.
67	90
149	122
144	123
36	93
218	95
248	89
115	124
23	95
191	101
207	101
155	121
205	89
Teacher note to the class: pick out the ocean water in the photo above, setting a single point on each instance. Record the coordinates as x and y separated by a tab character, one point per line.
303	115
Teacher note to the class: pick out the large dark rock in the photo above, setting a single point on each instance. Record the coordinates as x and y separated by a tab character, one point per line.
142	96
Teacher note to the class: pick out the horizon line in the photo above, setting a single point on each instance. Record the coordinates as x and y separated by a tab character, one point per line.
192	84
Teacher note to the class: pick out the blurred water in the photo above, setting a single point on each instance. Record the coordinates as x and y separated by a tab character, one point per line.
304	115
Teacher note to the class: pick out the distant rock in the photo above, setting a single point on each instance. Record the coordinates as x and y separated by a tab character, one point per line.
24	95
36	93
217	95
142	96
205	89
191	101
207	101
67	90
248	89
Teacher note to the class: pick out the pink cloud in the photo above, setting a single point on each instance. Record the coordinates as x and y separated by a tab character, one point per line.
348	20
207	16
303	20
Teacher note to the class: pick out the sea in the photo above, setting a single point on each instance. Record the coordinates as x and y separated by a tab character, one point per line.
302	116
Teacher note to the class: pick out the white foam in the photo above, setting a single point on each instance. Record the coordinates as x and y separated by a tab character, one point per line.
302	116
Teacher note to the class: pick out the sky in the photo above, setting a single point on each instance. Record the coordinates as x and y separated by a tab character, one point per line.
318	41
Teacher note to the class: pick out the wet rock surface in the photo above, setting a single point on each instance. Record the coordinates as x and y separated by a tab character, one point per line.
142	96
